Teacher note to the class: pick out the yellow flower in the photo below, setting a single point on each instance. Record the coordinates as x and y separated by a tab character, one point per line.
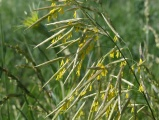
49	18
111	86
62	71
62	63
118	54
100	65
81	113
140	61
53	4
132	67
108	111
98	77
111	55
111	93
69	23
95	106
123	63
69	35
115	38
132	109
126	95
67	60
53	41
81	43
141	89
104	71
60	74
61	11
83	93
95	30
52	11
75	14
65	106
102	97
78	72
90	88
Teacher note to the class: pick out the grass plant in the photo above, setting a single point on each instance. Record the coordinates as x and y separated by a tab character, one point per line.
81	63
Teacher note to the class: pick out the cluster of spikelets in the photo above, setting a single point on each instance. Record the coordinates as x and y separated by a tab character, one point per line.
97	85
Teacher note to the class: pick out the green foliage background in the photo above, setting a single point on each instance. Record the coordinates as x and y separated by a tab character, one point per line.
21	92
